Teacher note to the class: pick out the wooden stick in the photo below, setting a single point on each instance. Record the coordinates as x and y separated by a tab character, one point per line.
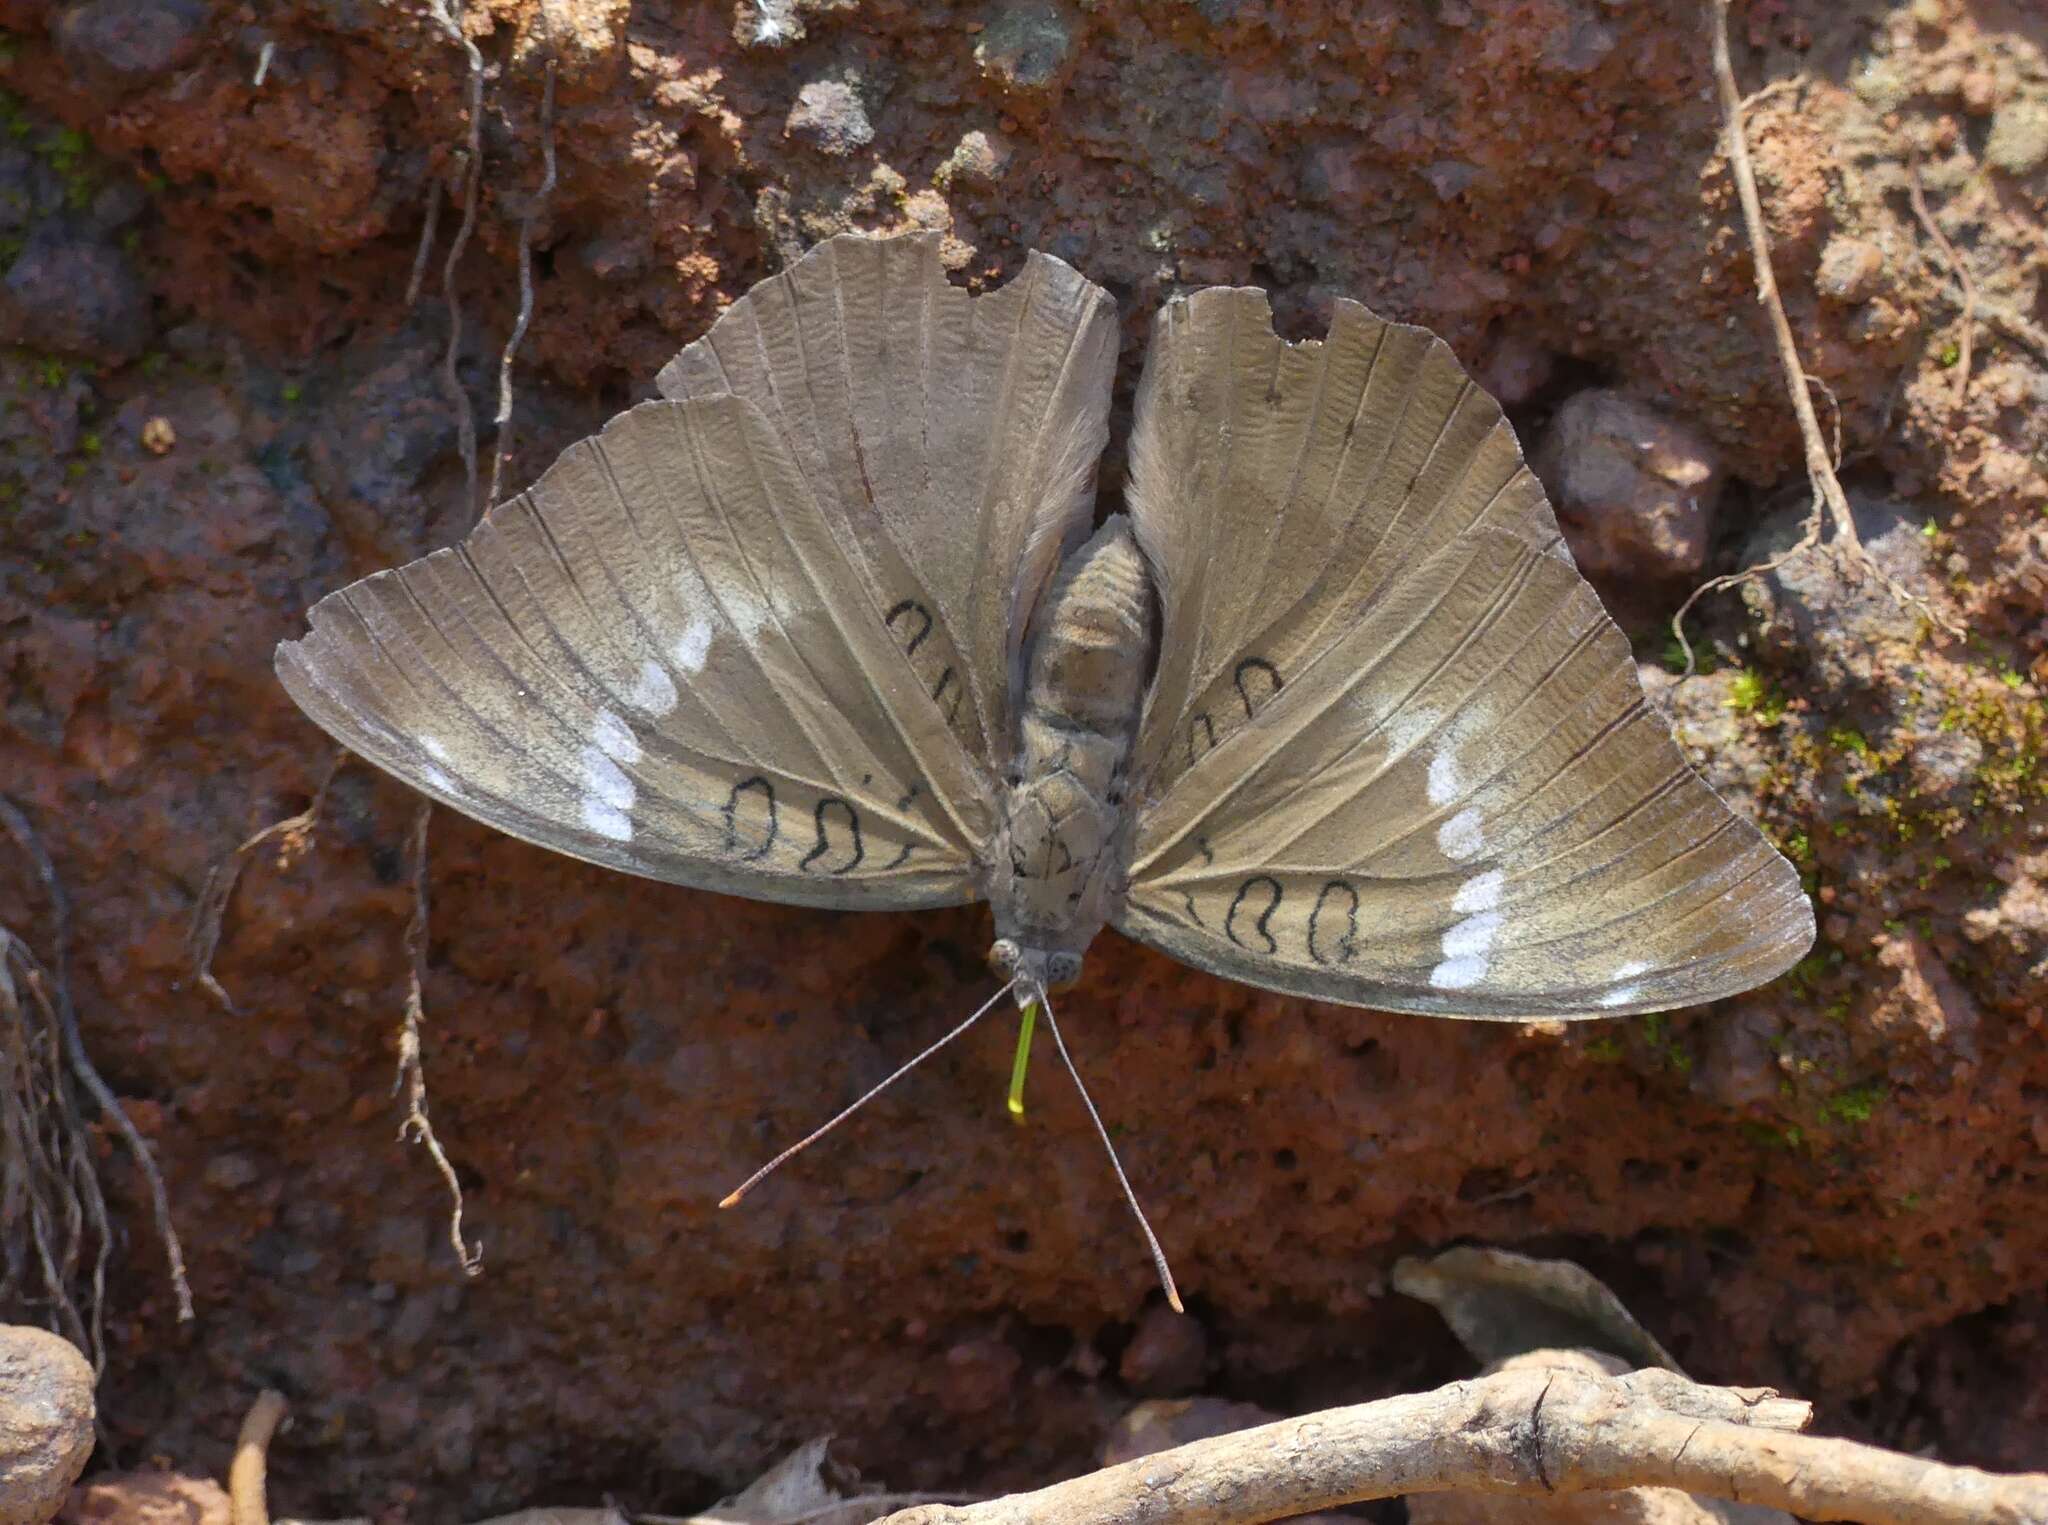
1529	1432
249	1472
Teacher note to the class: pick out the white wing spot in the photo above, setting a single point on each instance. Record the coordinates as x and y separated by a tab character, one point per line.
604	783
1462	835
1443	777
606	821
614	738
1621	995
653	693
748	609
1473	935
1460	973
437	779
693	645
1479	893
433	748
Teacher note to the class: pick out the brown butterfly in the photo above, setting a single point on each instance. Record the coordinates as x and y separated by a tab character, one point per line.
1330	711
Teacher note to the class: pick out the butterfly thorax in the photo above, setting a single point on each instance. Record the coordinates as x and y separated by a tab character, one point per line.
1089	654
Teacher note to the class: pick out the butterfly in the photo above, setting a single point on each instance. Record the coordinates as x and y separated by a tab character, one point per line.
1327	710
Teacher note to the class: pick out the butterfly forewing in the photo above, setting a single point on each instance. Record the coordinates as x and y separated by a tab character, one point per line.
660	659
953	438
1396	754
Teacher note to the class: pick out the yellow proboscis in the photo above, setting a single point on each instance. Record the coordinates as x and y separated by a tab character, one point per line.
1028	1020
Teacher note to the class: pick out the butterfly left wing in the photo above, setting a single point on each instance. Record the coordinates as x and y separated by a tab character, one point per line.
1396	754
660	658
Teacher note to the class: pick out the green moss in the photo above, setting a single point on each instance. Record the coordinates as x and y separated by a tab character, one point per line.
291	391
1605	1049
1753	695
1856	1105
1951	355
1656	1031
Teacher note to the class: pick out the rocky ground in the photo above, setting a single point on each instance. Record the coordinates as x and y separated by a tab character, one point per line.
220	403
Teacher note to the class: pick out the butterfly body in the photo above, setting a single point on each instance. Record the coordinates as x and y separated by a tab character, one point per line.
1058	865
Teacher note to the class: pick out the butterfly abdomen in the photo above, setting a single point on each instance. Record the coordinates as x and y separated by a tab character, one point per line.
1089	655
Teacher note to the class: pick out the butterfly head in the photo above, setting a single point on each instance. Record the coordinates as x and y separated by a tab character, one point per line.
1035	970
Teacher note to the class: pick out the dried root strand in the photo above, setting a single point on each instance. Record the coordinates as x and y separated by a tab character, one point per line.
52	997
449	14
501	446
1917	197
1830	527
202	938
51	1205
412	1074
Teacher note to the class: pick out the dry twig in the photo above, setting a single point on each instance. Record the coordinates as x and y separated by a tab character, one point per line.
412	1074
248	1473
1918	197
501	444
80	1061
202	939
1531	1433
1830	515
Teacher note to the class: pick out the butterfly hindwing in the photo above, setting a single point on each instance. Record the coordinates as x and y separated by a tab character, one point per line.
1396	754
660	659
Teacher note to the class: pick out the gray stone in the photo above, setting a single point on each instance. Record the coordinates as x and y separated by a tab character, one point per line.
1851	269
46	1422
115	44
828	115
978	159
1026	45
77	296
2018	143
1168	1355
1838	623
1635	491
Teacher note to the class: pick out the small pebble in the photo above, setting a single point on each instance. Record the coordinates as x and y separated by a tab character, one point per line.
1850	269
46	1422
828	115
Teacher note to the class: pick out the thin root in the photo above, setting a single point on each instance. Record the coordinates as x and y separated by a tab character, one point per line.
202	939
412	1074
472	182
1958	269
1830	526
54	995
425	252
501	445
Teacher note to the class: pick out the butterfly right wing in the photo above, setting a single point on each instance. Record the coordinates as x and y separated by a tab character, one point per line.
1395	753
661	659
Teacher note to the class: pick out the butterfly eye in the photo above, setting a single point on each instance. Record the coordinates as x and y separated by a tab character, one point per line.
1062	969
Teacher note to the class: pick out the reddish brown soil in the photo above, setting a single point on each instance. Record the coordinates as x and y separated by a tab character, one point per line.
1838	1185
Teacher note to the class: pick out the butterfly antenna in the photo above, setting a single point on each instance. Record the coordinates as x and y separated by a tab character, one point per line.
1130	1196
904	1069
